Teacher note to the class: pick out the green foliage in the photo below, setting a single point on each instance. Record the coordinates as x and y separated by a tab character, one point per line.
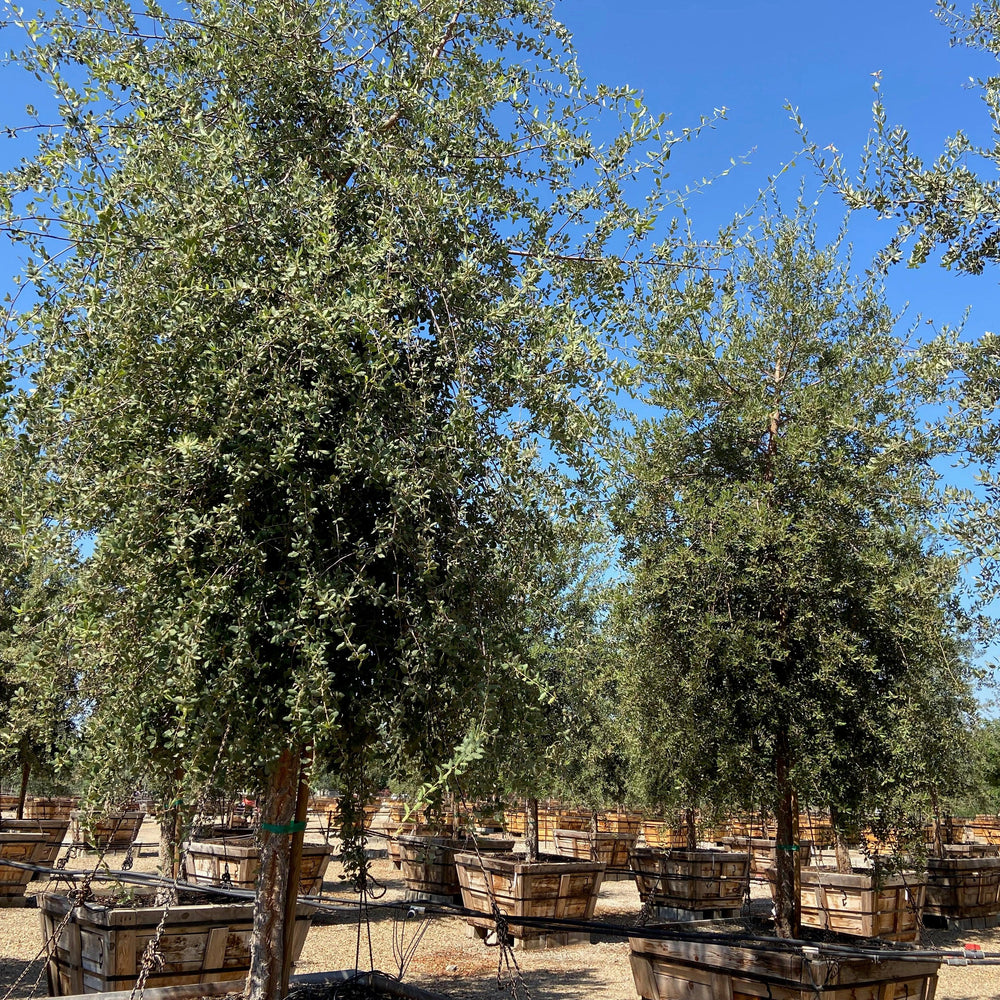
314	283
950	206
946	204
559	738
37	695
786	598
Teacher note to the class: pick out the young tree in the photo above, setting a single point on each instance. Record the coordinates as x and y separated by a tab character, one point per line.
774	520
37	688
313	281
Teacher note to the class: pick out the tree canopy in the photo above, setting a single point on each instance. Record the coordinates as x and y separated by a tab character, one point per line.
311	286
785	595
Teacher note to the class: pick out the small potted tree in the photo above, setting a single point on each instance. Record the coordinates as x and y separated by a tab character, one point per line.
563	747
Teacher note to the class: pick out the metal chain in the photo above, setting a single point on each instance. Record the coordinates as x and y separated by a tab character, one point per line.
77	896
648	904
152	956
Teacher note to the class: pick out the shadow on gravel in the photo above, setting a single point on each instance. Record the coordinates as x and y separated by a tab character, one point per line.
12	969
561	984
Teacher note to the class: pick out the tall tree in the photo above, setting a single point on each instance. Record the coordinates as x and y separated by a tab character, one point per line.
783	587
313	280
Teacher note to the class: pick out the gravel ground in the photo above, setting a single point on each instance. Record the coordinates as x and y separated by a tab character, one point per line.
442	955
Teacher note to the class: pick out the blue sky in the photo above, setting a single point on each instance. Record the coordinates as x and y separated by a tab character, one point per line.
692	56
752	57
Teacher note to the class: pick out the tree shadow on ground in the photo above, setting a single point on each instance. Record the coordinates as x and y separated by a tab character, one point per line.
555	984
29	976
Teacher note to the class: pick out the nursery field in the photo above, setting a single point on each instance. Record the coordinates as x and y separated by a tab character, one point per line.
443	956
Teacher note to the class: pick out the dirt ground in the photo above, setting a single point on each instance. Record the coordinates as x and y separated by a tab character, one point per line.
437	952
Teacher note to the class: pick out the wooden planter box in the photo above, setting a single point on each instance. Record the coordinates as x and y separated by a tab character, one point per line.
742	827
962	888
582	845
100	948
763	852
620	821
54	831
690	880
709	970
50	808
659	833
428	864
971	850
235	861
817	829
984	828
551	889
890	909
515	821
112	832
23	848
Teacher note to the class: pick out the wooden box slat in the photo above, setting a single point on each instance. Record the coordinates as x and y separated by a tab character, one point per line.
541	889
54	831
696	970
960	888
610	848
428	863
690	880
764	852
108	832
58	807
99	949
236	861
857	904
25	849
659	833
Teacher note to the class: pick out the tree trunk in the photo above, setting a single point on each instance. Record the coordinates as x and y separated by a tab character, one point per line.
171	835
295	872
691	828
25	774
531	829
841	842
938	840
277	813
787	904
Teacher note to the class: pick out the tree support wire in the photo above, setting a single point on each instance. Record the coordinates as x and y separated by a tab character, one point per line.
954	956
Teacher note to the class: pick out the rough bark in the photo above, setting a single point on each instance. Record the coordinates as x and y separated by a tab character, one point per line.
22	796
531	829
841	842
787	904
691	829
277	813
938	839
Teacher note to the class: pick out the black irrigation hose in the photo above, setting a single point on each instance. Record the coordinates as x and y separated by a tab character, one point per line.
662	933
